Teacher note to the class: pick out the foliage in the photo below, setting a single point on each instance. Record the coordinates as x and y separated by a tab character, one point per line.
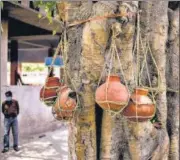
154	119
49	6
1	4
33	67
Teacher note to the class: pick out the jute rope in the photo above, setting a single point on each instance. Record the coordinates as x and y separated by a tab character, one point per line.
138	59
66	77
113	55
51	67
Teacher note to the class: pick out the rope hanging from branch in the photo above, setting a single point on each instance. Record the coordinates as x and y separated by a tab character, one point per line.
62	112
113	55
63	102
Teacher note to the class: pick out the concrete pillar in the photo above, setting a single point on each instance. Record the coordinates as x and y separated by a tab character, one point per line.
4	52
14	62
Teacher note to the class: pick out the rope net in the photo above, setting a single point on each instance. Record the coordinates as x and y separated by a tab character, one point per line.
63	45
65	113
112	70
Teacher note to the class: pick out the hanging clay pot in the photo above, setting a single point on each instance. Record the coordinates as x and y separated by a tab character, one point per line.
141	107
112	95
62	115
66	99
48	93
52	82
65	115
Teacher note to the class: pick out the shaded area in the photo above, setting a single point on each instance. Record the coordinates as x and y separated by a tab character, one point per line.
99	113
18	28
174	5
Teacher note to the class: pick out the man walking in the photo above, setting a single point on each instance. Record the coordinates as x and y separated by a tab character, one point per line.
10	109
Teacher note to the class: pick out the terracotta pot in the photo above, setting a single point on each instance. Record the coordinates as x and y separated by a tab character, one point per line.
116	96
62	115
47	93
64	100
53	82
48	96
141	107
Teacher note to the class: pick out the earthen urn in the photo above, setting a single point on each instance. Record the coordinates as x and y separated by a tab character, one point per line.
112	95
140	107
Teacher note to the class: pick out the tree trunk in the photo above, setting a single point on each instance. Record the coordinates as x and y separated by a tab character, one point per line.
88	45
173	72
95	35
114	142
125	41
158	38
106	132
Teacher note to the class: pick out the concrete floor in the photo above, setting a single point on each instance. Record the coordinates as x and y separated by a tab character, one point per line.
46	146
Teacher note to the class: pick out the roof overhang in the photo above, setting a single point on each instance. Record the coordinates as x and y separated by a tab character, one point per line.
30	16
36	42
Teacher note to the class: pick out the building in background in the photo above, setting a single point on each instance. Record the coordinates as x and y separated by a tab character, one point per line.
25	42
26	39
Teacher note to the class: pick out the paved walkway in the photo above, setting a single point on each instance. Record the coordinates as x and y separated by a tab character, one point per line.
47	146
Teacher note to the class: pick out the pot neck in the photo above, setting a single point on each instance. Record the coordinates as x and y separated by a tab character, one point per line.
113	78
53	79
141	91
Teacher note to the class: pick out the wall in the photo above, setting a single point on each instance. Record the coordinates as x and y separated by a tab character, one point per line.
34	117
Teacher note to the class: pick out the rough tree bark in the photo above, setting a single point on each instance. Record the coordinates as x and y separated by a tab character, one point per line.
112	131
116	141
172	76
95	35
88	45
158	38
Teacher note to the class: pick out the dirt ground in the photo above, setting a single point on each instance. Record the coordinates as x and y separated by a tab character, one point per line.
47	146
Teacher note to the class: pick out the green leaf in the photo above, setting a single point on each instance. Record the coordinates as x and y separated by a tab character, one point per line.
46	10
49	19
154	119
54	32
39	15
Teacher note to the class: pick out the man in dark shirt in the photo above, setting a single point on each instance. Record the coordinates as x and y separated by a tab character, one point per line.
10	109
